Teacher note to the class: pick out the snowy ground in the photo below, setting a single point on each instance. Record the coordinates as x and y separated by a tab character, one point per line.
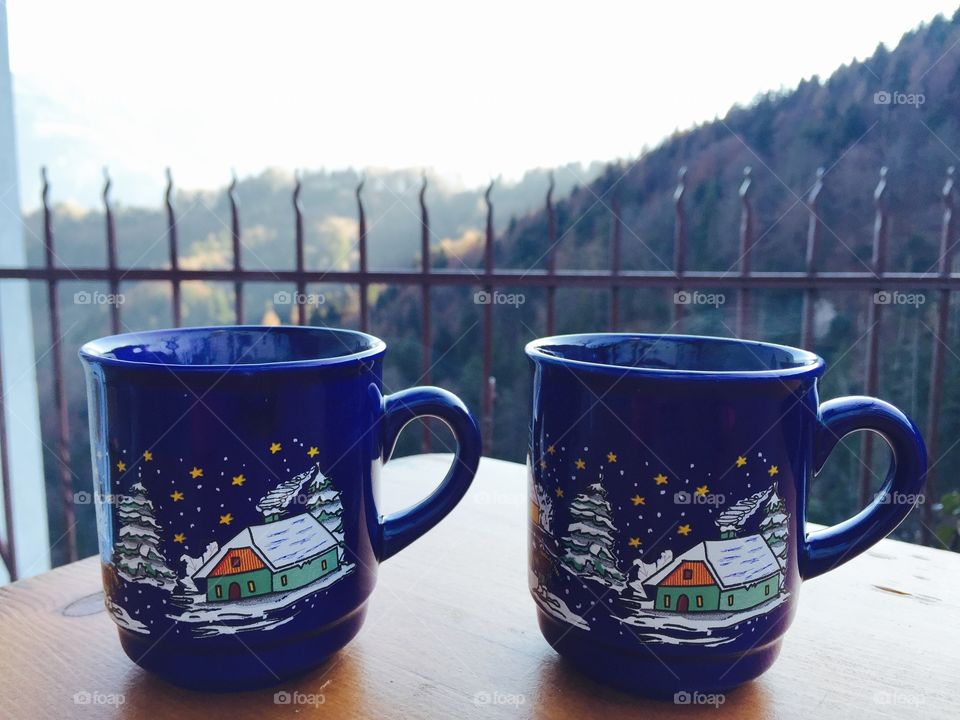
122	618
708	628
258	613
552	605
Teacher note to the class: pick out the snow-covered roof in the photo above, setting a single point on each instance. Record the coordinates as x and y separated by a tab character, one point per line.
733	562
280	544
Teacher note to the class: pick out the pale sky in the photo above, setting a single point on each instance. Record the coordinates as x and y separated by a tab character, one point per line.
470	90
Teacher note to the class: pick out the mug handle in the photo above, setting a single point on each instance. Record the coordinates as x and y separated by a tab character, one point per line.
399	529
826	549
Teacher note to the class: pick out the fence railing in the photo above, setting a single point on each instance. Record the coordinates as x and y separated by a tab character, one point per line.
743	280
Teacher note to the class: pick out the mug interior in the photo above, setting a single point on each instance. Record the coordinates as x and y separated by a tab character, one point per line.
233	346
675	354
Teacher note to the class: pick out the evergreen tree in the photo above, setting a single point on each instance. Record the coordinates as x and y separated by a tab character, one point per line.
590	551
773	527
137	554
323	502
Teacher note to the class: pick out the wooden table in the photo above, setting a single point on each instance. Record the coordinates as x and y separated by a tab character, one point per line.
451	633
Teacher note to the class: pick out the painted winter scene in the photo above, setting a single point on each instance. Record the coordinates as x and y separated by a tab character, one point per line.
686	565
253	576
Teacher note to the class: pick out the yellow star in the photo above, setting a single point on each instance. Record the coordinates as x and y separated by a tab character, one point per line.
147	456
741	461
684	530
121	465
176	495
226	519
611	457
637	500
702	490
551	449
313	452
661	479
179	538
275	448
196	472
580	464
543	464
773	470
239	479
634	542
559	492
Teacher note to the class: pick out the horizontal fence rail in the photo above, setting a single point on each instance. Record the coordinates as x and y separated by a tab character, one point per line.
742	279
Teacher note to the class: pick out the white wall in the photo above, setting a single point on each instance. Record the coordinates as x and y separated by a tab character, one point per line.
16	338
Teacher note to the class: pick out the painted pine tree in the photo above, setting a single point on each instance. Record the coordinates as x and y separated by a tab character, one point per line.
137	555
589	546
323	502
773	526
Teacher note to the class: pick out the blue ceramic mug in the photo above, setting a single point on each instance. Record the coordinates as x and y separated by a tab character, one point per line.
236	474
668	500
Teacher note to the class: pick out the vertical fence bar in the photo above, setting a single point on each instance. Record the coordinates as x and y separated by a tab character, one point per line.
174	253
615	231
551	260
426	341
111	228
746	246
59	388
235	237
679	244
362	244
813	242
8	545
488	380
298	240
874	317
948	231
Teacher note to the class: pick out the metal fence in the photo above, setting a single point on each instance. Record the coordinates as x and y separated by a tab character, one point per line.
743	281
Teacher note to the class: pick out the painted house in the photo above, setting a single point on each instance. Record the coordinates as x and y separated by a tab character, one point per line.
718	576
273	557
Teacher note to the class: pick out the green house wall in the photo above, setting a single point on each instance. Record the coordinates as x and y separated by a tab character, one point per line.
261	582
751	595
710	594
299	576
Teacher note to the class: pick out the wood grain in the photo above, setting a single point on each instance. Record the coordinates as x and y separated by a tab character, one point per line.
452	634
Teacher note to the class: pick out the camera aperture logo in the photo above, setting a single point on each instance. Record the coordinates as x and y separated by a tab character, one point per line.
495	297
295	697
895	97
695	297
895	297
694	697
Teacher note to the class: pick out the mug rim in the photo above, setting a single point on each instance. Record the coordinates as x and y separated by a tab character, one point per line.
811	364
96	351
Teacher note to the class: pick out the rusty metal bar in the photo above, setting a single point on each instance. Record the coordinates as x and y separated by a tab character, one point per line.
486	422
746	247
111	228
426	341
235	237
174	254
615	264
59	389
948	232
679	244
551	259
813	242
362	243
874	317
300	300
